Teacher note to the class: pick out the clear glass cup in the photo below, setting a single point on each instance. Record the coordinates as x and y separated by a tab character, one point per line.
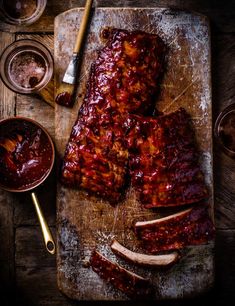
21	12
26	66
224	130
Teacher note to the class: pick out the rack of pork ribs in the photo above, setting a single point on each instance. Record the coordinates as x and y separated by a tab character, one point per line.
117	134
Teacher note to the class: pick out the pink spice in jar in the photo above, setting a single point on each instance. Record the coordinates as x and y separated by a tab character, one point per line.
27	69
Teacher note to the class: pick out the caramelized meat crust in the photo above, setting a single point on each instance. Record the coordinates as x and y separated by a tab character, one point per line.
122	80
125	75
164	160
190	227
96	159
128	282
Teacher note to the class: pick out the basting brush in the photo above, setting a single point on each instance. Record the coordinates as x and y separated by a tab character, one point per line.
66	91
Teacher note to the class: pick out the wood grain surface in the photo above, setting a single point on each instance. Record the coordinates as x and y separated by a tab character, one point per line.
17	210
85	222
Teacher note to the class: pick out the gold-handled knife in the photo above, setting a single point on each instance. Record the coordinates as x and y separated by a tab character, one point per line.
66	91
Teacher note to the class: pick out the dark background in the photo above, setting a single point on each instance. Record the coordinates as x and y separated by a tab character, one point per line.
27	271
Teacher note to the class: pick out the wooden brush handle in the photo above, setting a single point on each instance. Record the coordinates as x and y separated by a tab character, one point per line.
47	93
83	26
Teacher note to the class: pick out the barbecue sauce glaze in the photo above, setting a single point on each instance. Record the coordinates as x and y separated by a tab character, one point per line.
25	154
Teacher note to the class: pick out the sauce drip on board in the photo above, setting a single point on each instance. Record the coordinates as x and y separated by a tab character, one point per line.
25	154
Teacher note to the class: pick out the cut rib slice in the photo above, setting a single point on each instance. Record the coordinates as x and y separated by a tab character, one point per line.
189	227
144	259
128	282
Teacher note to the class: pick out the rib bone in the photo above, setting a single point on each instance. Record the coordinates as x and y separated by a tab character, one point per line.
144	259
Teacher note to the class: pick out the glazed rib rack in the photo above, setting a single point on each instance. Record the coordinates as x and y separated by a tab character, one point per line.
122	80
117	137
164	163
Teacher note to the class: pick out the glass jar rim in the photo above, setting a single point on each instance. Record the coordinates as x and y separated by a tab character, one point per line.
226	111
31	46
41	5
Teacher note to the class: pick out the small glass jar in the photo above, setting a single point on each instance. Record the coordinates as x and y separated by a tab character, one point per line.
21	12
26	66
225	130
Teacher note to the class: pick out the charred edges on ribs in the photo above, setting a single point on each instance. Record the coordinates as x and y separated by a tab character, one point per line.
128	282
189	227
122	80
164	164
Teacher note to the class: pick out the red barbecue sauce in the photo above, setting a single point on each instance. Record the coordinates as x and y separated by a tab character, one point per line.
25	154
65	99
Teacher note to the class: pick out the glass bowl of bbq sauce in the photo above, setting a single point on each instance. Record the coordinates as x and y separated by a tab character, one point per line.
225	130
21	12
26	66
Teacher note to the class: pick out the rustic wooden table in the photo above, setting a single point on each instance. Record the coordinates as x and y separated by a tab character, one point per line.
27	271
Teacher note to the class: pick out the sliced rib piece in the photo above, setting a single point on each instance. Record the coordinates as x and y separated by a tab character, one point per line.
144	259
123	79
164	160
189	227
128	282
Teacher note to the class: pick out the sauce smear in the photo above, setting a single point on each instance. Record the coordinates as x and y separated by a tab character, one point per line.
64	99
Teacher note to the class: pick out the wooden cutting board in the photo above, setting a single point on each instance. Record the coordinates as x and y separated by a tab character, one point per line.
85	222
